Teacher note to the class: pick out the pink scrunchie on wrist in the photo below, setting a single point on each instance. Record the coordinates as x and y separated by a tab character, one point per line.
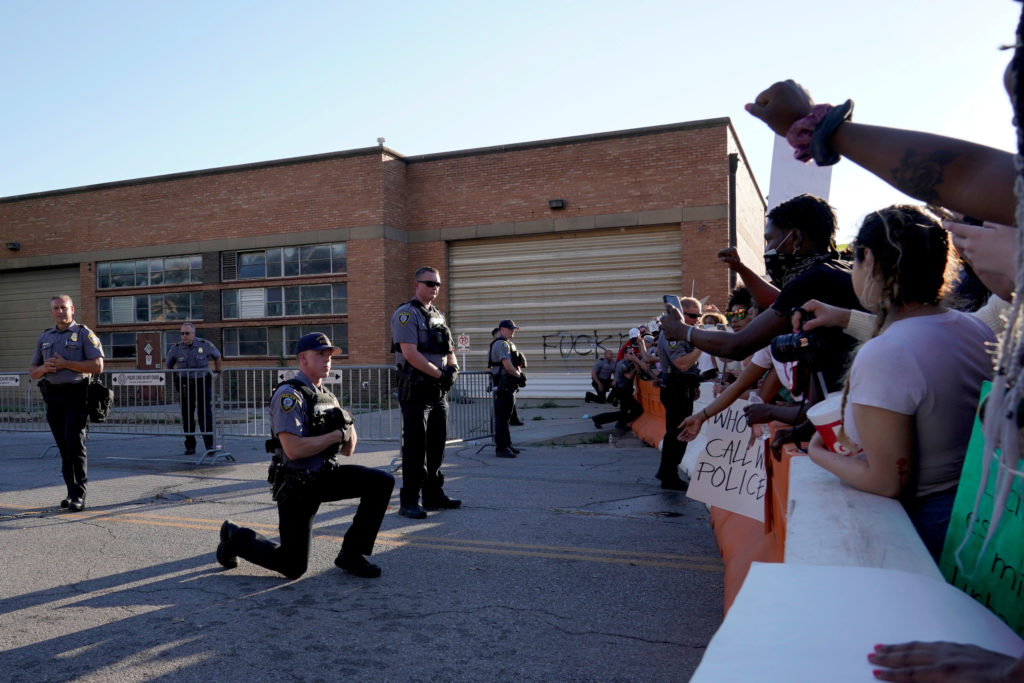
800	133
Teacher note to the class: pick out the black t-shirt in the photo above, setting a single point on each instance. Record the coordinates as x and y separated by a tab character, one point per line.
830	283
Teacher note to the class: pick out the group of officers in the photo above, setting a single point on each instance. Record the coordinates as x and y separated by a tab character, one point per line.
309	427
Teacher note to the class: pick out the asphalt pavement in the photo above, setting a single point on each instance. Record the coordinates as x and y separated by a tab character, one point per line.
566	563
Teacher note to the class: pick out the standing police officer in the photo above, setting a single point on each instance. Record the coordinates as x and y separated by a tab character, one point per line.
310	428
506	366
195	386
425	356
64	358
680	380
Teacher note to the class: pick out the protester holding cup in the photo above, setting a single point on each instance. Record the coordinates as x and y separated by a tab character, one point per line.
912	390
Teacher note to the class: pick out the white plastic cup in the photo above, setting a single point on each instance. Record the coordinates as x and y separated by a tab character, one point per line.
827	418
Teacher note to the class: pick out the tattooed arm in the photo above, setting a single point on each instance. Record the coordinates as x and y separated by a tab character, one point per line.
969	178
965	177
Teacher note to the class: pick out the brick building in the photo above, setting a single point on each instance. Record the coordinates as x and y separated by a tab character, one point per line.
575	238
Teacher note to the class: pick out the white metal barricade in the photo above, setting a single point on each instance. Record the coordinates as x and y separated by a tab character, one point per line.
173	403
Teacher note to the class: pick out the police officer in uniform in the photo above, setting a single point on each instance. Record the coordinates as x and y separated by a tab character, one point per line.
506	366
65	356
680	379
601	378
624	392
425	356
310	428
196	385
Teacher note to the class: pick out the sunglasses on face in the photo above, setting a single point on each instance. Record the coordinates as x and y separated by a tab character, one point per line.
737	315
429	283
692	316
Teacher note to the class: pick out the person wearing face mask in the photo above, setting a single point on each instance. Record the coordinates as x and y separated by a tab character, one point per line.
802	262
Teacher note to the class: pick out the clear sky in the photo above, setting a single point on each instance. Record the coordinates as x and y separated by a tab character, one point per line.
107	90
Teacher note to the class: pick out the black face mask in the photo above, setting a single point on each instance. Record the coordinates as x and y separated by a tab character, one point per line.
778	266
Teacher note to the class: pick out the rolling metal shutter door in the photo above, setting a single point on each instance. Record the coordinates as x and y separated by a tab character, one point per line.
25	310
572	294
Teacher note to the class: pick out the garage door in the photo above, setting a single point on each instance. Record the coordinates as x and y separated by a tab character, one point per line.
573	294
25	309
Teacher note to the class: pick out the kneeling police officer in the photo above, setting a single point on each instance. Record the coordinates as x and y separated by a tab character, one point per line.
309	429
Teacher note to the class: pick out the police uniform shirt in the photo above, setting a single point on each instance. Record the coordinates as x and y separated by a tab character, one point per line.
197	356
622	382
500	350
669	350
410	326
604	368
76	343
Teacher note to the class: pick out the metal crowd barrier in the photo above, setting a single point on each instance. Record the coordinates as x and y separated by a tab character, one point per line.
21	404
148	402
369	392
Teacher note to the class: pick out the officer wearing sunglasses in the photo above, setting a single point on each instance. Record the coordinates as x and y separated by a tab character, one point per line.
425	356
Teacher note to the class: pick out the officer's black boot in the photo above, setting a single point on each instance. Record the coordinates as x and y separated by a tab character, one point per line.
409	505
438	500
226	553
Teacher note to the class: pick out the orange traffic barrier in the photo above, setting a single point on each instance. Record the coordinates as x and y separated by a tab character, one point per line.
650	426
741	540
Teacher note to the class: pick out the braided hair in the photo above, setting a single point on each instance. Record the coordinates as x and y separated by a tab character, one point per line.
911	251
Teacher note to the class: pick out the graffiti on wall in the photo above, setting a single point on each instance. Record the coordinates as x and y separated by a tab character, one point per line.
570	344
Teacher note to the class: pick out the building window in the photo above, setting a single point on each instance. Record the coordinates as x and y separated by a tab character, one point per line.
152	272
311	259
147	308
276	302
117	345
277	341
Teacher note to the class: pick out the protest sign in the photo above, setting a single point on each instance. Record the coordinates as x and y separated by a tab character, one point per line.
730	470
995	578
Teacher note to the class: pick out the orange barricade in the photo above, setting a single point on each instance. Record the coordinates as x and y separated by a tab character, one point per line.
743	540
650	426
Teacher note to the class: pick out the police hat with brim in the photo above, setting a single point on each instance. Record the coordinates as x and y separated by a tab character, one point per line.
315	341
509	324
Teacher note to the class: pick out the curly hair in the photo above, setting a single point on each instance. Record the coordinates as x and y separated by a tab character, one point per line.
812	216
911	251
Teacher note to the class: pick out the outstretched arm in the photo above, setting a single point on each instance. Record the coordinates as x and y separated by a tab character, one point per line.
963	176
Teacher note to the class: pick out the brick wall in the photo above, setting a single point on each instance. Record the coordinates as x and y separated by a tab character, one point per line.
665	168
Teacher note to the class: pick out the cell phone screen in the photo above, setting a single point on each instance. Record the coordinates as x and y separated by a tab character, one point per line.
671	299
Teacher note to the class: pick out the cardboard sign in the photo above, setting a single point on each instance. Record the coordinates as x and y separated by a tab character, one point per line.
730	470
995	579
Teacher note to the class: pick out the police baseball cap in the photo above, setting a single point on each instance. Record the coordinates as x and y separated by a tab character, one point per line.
509	324
314	341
